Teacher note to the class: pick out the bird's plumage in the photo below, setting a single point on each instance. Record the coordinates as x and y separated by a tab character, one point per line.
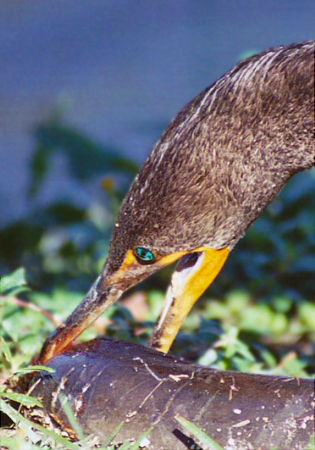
217	166
224	157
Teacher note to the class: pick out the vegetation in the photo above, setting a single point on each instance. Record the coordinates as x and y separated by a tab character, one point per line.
257	317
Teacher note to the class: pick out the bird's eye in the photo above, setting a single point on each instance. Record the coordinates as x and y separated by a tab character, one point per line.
144	254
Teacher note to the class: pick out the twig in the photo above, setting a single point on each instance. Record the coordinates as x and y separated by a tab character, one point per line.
25	304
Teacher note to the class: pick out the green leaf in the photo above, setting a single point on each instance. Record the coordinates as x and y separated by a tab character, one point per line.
113	435
311	444
139	442
14	280
71	416
202	437
5	349
26	424
35	368
8	442
307	314
23	399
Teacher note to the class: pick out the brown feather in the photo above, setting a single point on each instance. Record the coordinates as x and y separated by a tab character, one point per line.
223	158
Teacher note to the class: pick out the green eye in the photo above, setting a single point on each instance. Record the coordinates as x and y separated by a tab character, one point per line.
144	254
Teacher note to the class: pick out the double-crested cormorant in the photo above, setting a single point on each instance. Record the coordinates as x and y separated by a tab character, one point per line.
217	166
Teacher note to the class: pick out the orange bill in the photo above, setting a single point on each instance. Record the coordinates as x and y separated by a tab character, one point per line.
193	275
106	290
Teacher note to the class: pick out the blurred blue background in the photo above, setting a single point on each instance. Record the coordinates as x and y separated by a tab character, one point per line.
118	70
